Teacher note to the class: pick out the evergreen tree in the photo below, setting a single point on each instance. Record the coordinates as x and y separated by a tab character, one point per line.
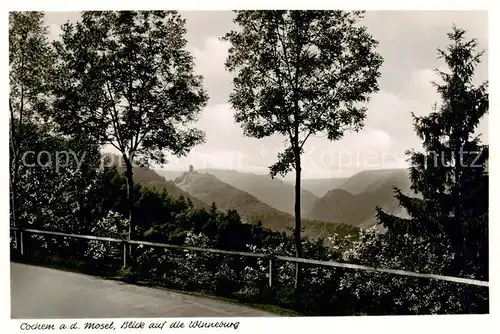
449	215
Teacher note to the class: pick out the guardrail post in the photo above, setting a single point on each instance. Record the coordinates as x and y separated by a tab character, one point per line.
272	264
21	243
125	254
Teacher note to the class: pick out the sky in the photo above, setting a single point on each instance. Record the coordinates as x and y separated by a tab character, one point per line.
408	42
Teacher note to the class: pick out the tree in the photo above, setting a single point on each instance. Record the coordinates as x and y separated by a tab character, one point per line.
126	79
29	61
450	217
299	74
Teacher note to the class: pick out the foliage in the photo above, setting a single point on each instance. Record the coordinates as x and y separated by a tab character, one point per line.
30	59
112	226
291	73
391	294
126	78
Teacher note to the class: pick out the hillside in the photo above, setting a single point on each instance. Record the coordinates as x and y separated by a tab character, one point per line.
354	201
273	192
320	187
149	178
370	180
209	189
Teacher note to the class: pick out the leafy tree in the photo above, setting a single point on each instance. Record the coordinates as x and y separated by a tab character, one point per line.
300	74
29	61
126	80
42	183
450	217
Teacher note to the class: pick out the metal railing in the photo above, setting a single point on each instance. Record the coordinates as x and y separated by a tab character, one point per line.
272	259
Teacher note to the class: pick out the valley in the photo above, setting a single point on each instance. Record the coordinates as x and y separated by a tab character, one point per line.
350	201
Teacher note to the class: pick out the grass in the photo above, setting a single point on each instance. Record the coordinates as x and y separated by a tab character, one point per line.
258	306
263	307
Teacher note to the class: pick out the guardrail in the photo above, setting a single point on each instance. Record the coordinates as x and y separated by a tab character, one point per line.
272	259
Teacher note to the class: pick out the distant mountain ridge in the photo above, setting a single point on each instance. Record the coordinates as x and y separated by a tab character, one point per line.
345	200
355	200
370	180
320	187
273	192
169	175
209	189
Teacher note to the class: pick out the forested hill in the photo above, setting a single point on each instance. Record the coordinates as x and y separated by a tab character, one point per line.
354	201
273	192
149	178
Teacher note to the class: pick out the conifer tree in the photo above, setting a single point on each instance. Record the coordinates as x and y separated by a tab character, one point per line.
449	215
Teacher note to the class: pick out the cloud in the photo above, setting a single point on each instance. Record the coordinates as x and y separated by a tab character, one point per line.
208	158
369	148
226	147
218	123
209	61
389	25
54	32
54	21
210	58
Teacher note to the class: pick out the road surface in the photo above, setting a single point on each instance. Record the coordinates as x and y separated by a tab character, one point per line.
43	293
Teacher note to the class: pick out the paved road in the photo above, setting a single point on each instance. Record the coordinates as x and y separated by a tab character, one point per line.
43	293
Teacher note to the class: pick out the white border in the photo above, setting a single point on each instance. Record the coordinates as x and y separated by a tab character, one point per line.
61	5
453	324
362	324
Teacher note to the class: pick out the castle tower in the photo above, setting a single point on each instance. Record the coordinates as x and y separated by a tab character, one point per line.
191	168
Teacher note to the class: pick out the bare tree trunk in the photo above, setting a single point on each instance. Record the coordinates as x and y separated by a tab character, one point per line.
298	227
16	145
130	200
15	138
458	229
